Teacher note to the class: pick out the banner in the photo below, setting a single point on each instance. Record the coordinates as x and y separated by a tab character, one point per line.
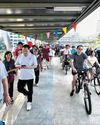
74	25
48	35
36	36
41	36
64	29
56	33
30	36
19	36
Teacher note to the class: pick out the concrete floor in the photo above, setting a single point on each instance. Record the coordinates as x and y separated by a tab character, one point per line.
52	104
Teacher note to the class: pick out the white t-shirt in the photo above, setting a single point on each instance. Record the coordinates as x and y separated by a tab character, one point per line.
29	60
92	60
3	74
52	53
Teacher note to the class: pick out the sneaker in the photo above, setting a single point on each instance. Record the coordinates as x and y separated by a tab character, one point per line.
36	84
29	106
12	100
72	93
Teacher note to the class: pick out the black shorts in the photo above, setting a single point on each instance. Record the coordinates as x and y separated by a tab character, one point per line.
79	70
74	73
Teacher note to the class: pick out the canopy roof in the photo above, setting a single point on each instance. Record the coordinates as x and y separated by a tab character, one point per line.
36	16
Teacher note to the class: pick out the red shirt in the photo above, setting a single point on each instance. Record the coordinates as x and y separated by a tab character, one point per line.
45	52
16	52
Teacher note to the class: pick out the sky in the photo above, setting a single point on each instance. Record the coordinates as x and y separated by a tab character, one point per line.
90	25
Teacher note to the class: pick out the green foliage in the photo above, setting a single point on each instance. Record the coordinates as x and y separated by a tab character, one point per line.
98	36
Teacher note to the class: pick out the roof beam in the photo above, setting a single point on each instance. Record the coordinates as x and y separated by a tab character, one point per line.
37	21
35	28
33	23
36	17
42	14
39	5
28	30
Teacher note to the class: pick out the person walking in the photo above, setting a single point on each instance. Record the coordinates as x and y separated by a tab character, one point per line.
26	62
18	49
37	69
10	67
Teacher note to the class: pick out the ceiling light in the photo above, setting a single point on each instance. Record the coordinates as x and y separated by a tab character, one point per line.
19	20
68	8
16	25
18	11
9	11
30	24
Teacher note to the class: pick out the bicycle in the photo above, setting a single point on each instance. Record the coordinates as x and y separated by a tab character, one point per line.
82	82
96	80
66	65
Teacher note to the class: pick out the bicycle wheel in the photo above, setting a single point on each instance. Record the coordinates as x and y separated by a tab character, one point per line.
66	69
63	66
87	100
78	85
97	85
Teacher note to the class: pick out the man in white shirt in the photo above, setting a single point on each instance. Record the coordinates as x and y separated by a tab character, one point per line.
26	62
4	95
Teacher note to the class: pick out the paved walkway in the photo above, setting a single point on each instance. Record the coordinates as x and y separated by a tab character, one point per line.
52	104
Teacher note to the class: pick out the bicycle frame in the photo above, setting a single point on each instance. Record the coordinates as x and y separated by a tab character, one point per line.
84	83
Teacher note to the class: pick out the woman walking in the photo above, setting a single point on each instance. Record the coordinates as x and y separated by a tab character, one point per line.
10	67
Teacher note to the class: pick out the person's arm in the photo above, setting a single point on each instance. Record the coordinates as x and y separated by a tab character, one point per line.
17	63
29	67
72	65
88	62
4	82
6	98
35	62
12	70
72	58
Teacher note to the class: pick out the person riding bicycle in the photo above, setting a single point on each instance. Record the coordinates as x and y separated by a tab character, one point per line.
92	63
77	63
73	50
66	55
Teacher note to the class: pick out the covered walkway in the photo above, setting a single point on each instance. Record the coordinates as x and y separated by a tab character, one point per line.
52	104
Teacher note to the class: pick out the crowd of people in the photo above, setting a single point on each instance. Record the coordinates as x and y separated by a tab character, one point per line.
80	60
27	63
